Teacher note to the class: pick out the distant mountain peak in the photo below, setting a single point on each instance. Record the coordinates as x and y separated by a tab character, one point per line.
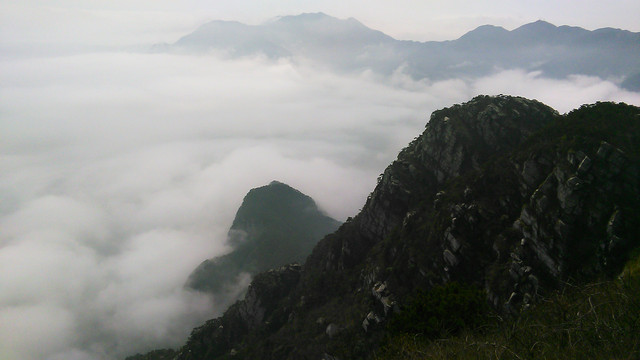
542	23
484	32
489	27
275	225
305	17
536	27
277	183
349	45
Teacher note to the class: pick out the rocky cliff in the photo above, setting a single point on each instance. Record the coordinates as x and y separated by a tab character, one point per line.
502	193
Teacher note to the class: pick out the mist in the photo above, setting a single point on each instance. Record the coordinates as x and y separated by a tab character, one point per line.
120	172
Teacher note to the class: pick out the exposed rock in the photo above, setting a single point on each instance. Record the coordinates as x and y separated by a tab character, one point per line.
382	294
370	319
453	242
332	330
451	259
258	309
585	166
546	205
379	290
531	173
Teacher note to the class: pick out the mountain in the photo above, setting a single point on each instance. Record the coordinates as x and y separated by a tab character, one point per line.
500	202
348	45
275	225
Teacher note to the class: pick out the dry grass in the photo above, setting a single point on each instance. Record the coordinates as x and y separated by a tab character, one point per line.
596	321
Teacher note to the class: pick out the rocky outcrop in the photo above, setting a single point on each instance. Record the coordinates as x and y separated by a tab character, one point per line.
580	198
259	311
501	192
456	140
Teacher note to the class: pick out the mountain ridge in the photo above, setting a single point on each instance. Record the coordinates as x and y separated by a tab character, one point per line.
348	45
502	193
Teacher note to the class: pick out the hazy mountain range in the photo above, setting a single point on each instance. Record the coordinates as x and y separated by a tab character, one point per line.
499	203
348	45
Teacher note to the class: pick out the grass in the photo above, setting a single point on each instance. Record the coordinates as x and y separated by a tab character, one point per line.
595	321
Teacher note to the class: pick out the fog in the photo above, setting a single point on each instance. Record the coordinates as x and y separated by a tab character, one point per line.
120	172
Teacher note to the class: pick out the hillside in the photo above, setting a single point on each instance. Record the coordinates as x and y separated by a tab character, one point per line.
500	199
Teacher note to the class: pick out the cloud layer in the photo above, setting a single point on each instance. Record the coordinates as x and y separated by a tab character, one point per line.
121	172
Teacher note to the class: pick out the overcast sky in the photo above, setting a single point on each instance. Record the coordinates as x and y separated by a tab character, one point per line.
120	171
120	22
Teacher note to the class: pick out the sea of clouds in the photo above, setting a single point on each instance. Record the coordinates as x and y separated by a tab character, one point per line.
121	171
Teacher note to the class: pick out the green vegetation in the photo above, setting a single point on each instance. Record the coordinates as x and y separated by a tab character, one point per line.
275	225
443	310
162	354
595	321
556	274
632	268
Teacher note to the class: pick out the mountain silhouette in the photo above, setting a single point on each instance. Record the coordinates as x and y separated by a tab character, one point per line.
348	45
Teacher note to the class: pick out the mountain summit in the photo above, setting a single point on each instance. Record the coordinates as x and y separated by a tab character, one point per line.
348	45
500	194
275	225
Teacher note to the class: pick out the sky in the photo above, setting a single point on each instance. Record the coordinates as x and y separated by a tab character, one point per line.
121	170
120	22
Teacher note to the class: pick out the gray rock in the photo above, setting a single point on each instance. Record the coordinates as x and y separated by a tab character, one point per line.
379	290
388	305
604	150
531	172
453	242
468	193
527	217
584	166
542	204
562	229
543	254
370	319
535	283
451	259
574	183
614	225
332	330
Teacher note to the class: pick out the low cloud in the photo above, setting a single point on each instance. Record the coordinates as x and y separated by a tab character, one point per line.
561	94
121	172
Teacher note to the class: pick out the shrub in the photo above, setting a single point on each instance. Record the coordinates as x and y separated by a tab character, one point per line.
443	310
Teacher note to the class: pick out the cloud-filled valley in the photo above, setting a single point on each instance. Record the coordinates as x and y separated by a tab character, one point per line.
120	172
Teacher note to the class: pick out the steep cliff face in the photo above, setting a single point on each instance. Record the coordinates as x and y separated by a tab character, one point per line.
563	204
456	141
500	192
262	311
